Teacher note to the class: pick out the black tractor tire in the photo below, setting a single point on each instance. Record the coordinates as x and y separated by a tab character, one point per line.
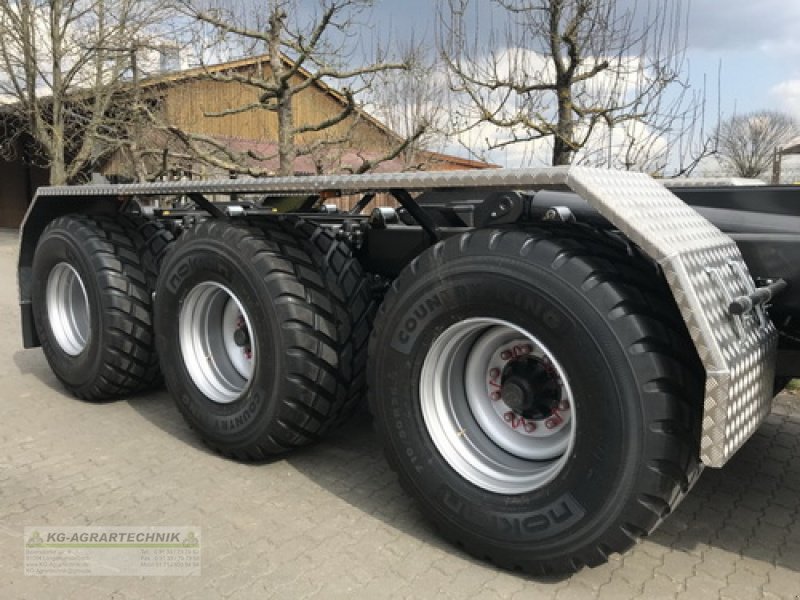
100	344
353	303
152	240
635	385
295	383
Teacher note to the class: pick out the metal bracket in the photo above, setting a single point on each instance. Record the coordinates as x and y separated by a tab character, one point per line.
362	204
757	300
420	216
208	206
722	286
561	214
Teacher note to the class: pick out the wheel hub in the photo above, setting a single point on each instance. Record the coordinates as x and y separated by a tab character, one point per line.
497	405
240	336
526	394
529	390
217	342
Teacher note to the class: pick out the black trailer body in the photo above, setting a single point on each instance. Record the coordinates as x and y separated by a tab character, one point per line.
551	355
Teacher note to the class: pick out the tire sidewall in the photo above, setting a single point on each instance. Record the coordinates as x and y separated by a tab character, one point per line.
55	247
244	420
582	497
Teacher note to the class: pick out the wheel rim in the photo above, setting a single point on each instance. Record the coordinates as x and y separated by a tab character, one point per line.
497	405
217	342
68	309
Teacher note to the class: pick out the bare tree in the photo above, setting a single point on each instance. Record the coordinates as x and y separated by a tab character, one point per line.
414	99
588	76
305	47
672	142
748	143
64	65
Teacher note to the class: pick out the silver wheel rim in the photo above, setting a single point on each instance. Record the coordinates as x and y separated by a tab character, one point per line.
211	318
480	437
68	309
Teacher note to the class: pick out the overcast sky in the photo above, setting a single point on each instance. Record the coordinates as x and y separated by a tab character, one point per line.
759	45
758	42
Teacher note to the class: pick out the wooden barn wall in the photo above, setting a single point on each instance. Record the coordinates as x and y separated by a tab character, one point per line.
189	102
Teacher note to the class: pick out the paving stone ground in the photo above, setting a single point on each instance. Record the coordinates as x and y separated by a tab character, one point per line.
331	521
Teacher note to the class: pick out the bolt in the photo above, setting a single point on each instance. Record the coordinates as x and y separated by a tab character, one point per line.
241	337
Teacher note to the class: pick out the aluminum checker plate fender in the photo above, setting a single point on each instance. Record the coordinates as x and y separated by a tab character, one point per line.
704	270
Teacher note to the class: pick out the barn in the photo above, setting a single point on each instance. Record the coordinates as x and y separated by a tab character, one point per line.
193	133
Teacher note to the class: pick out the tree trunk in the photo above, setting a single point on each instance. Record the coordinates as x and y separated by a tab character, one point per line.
283	96
563	141
58	171
286	149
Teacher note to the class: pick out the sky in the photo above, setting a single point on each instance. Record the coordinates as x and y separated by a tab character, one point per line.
756	43
759	46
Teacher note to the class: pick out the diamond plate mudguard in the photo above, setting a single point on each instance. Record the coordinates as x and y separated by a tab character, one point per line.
704	270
